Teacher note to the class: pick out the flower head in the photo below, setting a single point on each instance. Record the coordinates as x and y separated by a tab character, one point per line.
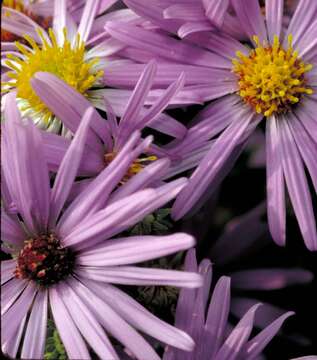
274	80
65	257
57	51
271	79
66	61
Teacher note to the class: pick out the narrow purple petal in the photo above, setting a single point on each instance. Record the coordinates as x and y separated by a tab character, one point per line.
104	49
297	186
186	297
12	346
254	347
69	106
218	312
185	11
96	194
216	11
35	335
25	169
59	19
87	18
222	44
238	337
193	27
307	147
266	314
142	319
135	104
67	330
87	323
188	160
160	104
251	19
214	161
10	291
68	169
128	74
134	249
275	182
11	320
274	16
142	276
307	45
7	269
11	231
209	122
122	214
168	125
301	19
307	116
105	223
164	46
153	12
113	323
149	175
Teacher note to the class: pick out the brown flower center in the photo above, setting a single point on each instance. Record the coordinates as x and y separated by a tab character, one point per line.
44	260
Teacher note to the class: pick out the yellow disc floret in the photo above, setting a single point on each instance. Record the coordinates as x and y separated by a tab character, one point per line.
66	61
271	79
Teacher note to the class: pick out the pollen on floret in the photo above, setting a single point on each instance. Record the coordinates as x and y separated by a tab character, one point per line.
66	61
270	78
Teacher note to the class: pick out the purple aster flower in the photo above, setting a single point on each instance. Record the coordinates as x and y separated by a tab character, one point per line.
110	135
78	54
66	260
208	325
276	81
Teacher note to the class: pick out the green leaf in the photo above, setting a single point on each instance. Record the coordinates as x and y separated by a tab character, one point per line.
54	348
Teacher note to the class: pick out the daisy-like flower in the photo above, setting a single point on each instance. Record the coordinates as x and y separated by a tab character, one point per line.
79	55
74	53
208	324
64	260
275	82
111	135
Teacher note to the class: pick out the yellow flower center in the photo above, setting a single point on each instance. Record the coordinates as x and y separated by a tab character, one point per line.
271	79
66	61
137	166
